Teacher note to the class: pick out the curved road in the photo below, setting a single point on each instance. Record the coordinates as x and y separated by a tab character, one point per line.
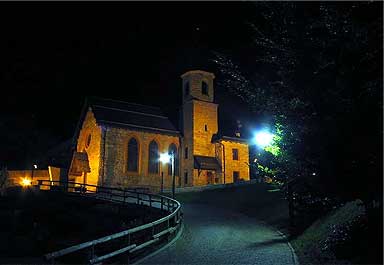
217	236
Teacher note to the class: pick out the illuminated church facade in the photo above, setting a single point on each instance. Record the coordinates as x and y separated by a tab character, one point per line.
119	144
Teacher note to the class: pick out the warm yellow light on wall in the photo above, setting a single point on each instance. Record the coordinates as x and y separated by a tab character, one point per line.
26	182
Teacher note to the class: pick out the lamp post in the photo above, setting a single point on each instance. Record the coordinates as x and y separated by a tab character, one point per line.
173	174
166	158
33	168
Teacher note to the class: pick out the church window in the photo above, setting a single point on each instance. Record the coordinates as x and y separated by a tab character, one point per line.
186	153
153	160
185	178
133	155
206	127
204	88
88	142
235	154
186	88
173	150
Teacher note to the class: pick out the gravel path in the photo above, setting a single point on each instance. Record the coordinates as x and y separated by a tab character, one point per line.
216	236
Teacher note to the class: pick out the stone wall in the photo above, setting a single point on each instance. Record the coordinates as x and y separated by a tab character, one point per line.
187	142
241	165
116	157
204	114
89	141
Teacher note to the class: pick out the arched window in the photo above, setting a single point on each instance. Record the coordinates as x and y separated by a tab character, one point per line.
186	88
204	88
173	149
153	159
133	155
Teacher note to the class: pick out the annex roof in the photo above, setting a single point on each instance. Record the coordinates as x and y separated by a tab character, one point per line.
206	162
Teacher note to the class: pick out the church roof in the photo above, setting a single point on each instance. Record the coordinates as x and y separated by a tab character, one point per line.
129	115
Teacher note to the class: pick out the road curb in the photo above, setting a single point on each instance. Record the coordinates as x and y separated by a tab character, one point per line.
163	247
294	256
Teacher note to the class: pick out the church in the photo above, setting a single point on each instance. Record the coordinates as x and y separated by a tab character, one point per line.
118	144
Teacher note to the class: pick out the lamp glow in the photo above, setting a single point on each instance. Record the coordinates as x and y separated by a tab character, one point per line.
26	182
165	158
263	138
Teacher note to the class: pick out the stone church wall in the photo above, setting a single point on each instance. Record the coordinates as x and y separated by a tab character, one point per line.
204	116
116	157
89	141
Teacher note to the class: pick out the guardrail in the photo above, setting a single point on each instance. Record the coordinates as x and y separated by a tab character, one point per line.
129	241
213	186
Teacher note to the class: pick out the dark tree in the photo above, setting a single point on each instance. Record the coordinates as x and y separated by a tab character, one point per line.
316	69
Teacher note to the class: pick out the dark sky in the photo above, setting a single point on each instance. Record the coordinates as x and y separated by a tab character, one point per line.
54	54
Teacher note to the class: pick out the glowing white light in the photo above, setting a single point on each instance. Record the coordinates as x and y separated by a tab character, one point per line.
35	166
165	158
26	182
263	139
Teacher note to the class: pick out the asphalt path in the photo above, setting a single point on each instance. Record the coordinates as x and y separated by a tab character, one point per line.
216	236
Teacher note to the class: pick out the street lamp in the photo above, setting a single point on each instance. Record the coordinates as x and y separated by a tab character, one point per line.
166	158
263	138
34	167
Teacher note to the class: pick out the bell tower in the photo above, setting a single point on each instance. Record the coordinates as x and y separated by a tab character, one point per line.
198	85
199	121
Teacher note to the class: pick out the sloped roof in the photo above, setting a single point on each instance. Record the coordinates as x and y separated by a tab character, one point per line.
129	115
206	162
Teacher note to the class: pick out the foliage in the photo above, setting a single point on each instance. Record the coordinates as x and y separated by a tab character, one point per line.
314	70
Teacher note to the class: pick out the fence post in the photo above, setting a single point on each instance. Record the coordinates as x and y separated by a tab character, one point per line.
150	200
129	243
161	203
93	251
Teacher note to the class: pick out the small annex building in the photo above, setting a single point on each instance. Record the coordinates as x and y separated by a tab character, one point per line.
118	143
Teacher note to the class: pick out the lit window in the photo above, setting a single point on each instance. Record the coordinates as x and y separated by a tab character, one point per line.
235	154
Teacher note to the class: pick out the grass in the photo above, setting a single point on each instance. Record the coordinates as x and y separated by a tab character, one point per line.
311	245
35	223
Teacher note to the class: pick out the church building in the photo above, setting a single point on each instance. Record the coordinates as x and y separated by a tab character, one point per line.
119	144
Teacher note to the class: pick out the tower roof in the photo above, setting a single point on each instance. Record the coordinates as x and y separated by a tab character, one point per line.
211	75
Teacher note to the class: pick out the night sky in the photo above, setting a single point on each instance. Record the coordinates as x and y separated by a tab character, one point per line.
53	55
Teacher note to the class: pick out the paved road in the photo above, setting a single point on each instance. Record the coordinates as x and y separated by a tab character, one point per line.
216	236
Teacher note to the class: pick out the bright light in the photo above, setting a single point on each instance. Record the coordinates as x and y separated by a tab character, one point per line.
165	158
35	166
263	138
26	182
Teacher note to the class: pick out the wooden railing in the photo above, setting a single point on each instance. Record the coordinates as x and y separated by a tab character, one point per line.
126	242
